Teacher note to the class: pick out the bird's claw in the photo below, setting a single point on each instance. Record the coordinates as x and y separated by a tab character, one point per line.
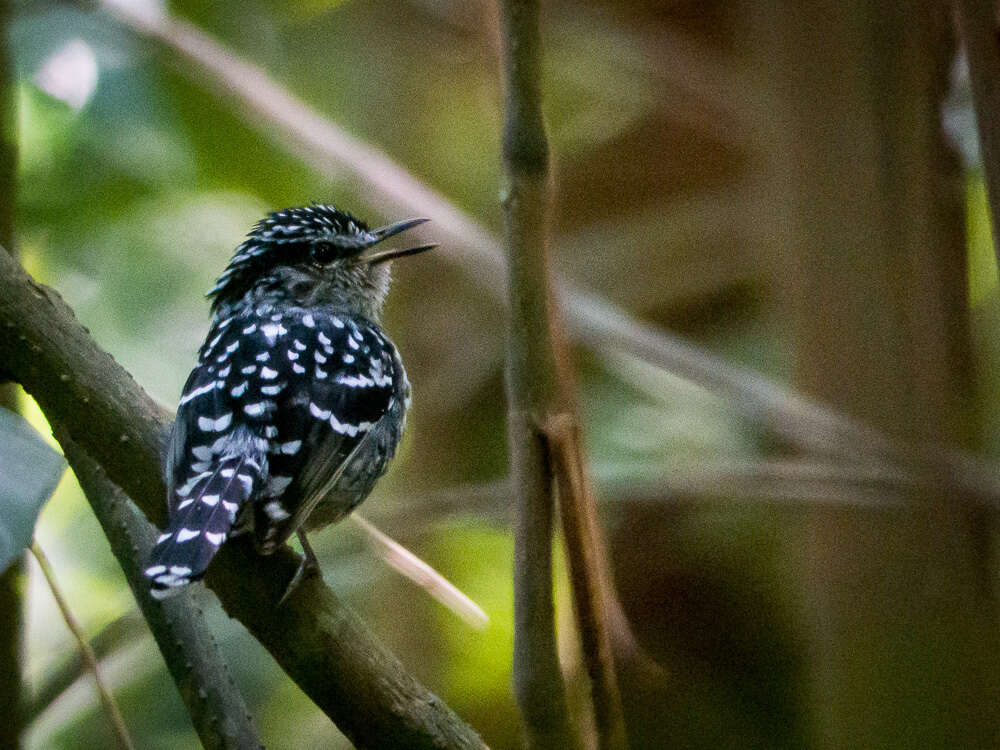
308	567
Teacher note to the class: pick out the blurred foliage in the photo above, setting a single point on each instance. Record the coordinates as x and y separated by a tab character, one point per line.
130	204
29	473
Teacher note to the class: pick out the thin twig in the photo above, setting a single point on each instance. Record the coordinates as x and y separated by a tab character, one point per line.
808	424
705	483
320	143
318	641
118	729
214	703
795	483
588	574
117	634
422	574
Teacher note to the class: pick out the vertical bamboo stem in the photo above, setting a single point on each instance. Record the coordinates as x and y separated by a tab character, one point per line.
545	451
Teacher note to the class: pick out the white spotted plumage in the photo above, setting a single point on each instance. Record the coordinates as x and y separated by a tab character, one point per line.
288	386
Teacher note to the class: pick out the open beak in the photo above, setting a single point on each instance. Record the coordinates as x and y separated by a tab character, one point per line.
386	255
386	232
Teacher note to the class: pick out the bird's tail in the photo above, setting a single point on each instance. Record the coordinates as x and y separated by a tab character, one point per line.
200	522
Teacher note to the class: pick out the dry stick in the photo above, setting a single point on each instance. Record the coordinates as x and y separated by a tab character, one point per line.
812	426
594	322
588	571
321	144
118	729
540	393
215	705
792	484
781	483
977	22
320	643
114	636
422	574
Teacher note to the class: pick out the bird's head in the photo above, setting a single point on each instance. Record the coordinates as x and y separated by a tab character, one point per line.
312	255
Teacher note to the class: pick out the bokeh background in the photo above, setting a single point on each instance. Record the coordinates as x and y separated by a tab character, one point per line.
793	187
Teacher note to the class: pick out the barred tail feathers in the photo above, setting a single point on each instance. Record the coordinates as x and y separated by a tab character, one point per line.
200	523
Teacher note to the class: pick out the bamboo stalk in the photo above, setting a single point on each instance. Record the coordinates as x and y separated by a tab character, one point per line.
541	419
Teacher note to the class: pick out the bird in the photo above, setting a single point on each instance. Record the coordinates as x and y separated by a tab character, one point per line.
298	399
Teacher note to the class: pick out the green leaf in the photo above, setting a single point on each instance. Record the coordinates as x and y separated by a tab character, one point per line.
29	473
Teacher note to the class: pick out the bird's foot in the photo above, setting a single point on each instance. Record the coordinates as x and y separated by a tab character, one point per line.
308	567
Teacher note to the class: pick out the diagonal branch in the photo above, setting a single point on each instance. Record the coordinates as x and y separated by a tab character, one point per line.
598	615
422	574
320	643
215	705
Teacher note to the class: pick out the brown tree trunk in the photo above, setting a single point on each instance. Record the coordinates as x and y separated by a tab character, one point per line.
899	621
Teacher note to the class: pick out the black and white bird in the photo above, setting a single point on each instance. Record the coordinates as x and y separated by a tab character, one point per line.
298	400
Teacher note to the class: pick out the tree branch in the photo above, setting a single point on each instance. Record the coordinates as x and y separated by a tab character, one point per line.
531	386
216	708
598	614
318	641
540	394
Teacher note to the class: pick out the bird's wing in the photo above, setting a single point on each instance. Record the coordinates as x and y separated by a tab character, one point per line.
340	393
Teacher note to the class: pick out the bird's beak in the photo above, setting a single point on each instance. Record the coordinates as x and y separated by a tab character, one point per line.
387	255
384	233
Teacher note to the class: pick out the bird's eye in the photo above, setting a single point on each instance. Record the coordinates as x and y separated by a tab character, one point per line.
323	252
